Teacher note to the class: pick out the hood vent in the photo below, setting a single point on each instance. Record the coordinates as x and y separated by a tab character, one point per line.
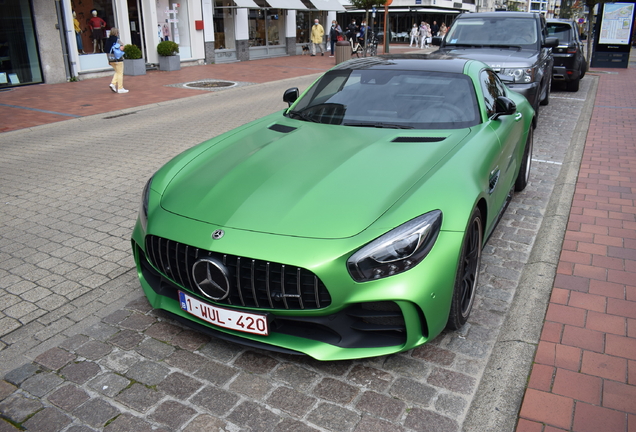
282	128
418	139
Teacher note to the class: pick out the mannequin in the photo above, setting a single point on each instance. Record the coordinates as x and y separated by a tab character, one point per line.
78	34
97	27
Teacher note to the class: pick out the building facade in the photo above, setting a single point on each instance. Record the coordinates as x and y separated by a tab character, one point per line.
51	41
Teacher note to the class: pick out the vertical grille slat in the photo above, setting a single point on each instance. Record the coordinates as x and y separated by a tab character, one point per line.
282	285
253	284
269	293
238	280
187	266
176	259
299	289
316	293
259	284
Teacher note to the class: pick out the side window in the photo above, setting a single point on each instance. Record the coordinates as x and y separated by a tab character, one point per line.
492	88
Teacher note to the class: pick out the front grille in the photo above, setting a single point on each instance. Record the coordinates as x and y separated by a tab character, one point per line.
254	283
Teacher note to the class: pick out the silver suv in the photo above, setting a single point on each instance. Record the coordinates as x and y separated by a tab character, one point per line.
515	44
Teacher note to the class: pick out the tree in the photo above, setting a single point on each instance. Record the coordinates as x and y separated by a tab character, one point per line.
366	5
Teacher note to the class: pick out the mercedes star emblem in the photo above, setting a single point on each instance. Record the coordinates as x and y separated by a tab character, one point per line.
218	234
211	277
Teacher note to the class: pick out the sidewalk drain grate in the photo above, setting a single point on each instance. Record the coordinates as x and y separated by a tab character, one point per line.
210	84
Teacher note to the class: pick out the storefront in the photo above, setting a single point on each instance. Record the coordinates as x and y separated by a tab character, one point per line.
19	57
253	29
143	23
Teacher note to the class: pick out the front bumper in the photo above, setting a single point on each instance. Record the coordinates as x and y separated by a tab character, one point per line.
362	319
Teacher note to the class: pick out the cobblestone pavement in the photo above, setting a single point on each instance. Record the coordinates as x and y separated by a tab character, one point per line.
82	350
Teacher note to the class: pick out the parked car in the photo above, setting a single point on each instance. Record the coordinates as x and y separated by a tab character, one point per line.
514	44
348	225
569	58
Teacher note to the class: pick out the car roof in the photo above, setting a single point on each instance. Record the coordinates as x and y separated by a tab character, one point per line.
498	15
419	62
560	21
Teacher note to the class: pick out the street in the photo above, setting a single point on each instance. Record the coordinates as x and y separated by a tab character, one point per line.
78	338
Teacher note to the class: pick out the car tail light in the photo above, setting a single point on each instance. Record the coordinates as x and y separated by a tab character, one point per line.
572	49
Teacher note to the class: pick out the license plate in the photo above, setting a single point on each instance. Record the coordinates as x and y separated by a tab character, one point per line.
226	318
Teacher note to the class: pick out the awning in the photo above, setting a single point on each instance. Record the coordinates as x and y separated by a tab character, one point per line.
287	4
246	4
328	5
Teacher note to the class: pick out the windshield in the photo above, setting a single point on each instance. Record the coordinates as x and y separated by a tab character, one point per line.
520	32
390	99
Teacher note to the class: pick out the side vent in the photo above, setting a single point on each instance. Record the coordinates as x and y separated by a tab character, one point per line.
282	128
418	139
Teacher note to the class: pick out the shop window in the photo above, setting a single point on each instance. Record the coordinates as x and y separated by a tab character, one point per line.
224	35
266	26
94	41
304	21
173	24
19	60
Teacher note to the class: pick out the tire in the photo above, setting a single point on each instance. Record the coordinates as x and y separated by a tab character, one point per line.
573	86
467	273
546	99
526	163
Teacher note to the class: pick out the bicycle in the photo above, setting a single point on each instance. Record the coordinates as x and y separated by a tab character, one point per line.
358	49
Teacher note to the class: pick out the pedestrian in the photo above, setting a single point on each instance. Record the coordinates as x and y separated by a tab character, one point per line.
415	35
335	34
422	34
434	29
352	30
363	30
317	33
117	49
442	30
111	39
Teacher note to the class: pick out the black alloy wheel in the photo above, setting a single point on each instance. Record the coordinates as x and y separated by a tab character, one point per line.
467	273
526	163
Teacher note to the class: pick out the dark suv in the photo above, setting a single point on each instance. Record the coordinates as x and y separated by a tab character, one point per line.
515	44
569	61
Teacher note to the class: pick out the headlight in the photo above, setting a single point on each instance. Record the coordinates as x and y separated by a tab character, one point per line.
143	209
396	251
520	75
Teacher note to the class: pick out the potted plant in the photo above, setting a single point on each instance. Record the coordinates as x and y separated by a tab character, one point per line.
134	64
169	59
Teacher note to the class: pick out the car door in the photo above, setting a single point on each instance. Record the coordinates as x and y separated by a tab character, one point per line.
509	131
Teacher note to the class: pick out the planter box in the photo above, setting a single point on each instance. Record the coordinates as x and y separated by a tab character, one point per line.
135	67
170	63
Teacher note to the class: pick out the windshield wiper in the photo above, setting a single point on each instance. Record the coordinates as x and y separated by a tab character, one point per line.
302	116
323	110
379	125
463	45
517	47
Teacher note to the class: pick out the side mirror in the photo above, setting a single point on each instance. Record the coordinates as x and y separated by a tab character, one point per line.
291	95
551	42
504	106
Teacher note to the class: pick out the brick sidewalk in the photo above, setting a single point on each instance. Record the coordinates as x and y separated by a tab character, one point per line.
584	373
29	106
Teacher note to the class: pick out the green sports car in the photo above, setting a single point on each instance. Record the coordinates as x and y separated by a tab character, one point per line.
348	225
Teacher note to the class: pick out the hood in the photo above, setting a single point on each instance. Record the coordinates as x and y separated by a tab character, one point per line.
495	57
318	181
